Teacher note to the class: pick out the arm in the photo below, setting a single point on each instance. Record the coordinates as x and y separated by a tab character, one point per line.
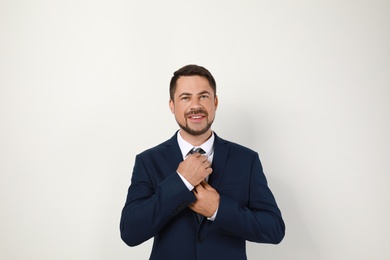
260	219
148	209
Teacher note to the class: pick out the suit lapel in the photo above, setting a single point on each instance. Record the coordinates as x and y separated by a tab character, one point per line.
172	153
221	152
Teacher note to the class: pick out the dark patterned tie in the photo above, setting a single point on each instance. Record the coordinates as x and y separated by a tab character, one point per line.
201	151
197	150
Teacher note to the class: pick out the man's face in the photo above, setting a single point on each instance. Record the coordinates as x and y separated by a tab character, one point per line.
194	105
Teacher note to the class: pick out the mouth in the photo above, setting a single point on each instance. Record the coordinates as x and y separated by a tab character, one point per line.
196	117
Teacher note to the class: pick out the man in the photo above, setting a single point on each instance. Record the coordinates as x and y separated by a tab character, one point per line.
198	203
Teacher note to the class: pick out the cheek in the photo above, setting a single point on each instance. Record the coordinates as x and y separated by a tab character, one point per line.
182	109
212	109
179	111
212	114
176	109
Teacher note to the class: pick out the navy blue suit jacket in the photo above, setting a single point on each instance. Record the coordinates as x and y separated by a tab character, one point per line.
157	205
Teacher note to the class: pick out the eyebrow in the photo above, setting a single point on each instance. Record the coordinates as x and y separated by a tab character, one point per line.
204	92
189	94
185	94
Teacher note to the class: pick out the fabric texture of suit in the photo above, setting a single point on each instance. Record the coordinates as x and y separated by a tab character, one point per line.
157	205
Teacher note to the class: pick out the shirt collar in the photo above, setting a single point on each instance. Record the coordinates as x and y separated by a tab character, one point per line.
185	146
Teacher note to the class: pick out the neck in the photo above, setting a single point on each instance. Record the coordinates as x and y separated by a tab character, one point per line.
195	140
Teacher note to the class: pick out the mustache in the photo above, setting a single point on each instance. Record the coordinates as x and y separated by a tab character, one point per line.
196	111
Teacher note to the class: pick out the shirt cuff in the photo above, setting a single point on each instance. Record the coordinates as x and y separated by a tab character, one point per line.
188	185
212	218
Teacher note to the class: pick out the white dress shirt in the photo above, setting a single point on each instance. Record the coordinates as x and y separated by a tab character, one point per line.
186	147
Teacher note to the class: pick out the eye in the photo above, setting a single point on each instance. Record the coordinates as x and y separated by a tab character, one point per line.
184	98
204	96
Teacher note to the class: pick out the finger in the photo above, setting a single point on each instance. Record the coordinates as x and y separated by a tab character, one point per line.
203	184
206	186
202	156
192	207
198	155
200	187
206	163
209	167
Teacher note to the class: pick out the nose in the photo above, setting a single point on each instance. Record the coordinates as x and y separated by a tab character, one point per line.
195	104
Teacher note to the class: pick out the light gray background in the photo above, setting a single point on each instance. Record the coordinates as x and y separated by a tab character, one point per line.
84	88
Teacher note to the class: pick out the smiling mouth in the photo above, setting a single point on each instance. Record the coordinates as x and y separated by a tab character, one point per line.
196	114
196	117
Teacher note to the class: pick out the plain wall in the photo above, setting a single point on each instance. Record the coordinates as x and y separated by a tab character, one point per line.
84	88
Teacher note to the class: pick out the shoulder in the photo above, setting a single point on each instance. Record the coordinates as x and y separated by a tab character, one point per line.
156	149
234	147
160	148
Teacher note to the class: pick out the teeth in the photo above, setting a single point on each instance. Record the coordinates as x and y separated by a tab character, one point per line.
196	117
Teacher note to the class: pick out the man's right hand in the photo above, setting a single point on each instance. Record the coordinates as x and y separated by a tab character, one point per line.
195	168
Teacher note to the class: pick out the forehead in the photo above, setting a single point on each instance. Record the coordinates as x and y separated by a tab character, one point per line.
192	85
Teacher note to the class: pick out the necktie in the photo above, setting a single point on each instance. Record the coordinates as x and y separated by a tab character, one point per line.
201	151
197	150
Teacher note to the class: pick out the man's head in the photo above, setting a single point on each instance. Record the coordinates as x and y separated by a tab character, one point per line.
191	70
193	100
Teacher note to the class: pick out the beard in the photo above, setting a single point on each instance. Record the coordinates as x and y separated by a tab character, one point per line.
186	128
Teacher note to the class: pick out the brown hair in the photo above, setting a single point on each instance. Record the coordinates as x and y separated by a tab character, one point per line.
191	70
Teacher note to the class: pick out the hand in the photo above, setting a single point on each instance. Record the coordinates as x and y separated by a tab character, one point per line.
207	200
195	168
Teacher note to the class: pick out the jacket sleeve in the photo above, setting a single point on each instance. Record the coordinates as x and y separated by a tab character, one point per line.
151	203
260	220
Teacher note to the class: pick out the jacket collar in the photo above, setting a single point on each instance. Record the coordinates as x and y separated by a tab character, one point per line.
221	152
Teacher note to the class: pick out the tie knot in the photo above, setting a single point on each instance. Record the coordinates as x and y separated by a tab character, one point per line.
197	150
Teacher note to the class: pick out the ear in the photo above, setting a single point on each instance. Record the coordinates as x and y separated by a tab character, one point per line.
216	102
172	106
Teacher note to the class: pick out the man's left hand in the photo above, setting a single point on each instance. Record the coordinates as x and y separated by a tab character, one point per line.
207	200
